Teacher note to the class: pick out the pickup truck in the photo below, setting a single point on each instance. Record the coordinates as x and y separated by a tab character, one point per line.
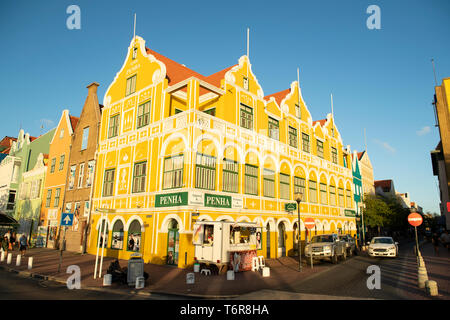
326	246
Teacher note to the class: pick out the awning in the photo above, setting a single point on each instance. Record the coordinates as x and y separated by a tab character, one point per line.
6	220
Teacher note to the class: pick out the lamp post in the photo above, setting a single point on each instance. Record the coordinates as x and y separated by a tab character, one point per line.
298	199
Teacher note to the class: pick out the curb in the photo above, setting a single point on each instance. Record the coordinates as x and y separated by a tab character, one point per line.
28	274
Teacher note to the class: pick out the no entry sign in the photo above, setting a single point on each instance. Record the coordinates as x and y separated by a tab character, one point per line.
415	219
309	223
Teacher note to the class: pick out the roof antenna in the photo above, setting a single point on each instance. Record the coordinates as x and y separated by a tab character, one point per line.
365	140
434	71
248	48
134	27
332	115
298	95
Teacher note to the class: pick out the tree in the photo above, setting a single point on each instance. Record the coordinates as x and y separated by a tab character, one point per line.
376	212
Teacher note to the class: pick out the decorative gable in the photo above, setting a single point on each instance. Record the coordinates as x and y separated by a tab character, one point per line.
243	76
137	62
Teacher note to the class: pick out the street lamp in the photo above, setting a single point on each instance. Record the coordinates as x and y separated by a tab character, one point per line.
298	199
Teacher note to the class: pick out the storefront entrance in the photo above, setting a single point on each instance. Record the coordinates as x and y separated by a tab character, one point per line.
281	240
173	239
268	241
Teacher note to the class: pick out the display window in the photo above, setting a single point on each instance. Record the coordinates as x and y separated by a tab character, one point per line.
134	237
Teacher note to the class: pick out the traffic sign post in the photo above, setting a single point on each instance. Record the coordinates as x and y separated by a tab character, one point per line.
310	224
66	221
415	220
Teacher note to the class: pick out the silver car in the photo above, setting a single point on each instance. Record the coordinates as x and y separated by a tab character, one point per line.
383	247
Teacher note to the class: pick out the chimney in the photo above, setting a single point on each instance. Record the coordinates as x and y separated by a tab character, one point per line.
93	88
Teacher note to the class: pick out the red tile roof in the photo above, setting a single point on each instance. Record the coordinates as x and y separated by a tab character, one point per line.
176	72
321	122
215	78
73	121
279	96
360	155
384	184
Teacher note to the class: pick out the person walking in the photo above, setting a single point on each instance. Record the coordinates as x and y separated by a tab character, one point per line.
435	241
23	242
5	245
13	240
445	239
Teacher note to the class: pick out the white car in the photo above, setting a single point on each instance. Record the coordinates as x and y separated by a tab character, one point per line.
383	247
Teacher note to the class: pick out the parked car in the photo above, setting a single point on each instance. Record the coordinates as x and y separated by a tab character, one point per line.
326	246
383	247
350	244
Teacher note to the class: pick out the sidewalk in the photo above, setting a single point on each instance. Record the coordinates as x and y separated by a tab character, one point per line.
437	267
164	279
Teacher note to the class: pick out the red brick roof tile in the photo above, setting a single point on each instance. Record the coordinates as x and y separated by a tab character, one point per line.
279	96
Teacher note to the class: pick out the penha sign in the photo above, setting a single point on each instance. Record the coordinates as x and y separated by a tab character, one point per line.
171	199
217	201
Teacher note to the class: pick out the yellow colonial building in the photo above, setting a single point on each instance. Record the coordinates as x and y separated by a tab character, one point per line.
176	147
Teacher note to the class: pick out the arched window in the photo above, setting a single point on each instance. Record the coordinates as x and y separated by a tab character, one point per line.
117	235
134	236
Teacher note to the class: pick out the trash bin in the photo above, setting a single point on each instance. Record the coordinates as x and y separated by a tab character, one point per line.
135	268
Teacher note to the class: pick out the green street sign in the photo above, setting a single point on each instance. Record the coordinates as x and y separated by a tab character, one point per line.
290	206
217	201
349	213
171	199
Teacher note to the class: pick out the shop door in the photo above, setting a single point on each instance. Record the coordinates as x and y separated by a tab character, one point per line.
281	241
268	241
173	239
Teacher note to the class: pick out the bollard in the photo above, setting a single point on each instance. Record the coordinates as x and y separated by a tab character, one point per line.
9	259
30	263
140	282
2	256
422	277
230	275
18	260
431	288
190	278
196	267
107	279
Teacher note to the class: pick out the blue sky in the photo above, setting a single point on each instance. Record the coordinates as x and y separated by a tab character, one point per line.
381	80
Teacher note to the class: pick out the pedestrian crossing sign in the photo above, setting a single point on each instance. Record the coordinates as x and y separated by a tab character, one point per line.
66	219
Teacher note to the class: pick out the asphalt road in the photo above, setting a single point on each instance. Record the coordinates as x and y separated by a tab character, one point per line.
349	278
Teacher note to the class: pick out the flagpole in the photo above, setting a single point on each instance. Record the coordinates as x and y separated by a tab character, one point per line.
248	49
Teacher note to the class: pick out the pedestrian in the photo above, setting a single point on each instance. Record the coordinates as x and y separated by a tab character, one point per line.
5	245
445	239
23	241
435	241
12	240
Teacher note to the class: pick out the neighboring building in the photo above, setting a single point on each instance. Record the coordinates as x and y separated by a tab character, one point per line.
404	200
440	157
385	188
358	194
57	175
29	199
366	173
82	164
22	158
416	208
176	147
5	146
11	173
